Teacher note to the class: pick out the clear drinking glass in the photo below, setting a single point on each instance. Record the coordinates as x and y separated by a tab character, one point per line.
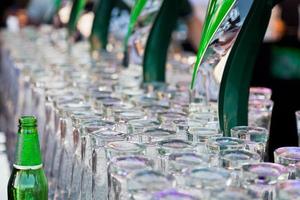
142	184
137	126
298	125
260	112
65	174
123	117
219	144
169	116
119	169
298	170
260	93
256	138
209	179
178	163
84	124
287	190
233	160
88	144
156	134
98	162
167	147
288	156
200	136
261	178
153	108
122	148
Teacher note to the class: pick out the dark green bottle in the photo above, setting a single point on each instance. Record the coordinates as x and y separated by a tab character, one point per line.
28	180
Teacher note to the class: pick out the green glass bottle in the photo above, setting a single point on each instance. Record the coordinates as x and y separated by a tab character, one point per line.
77	7
28	180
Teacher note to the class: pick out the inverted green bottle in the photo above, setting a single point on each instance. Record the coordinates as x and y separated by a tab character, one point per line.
77	7
28	180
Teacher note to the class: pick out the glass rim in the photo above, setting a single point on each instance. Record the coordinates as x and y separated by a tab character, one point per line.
115	164
280	171
282	150
248	128
212	142
145	172
116	146
252	155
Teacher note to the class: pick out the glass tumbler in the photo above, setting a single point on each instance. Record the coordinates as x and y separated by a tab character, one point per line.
136	126
167	147
298	125
178	163
218	144
288	156
233	160
288	190
210	180
156	134
88	141
123	117
123	148
98	162
298	170
83	126
142	184
260	93
260	112
200	135
256	138
66	160
261	178
119	169
168	117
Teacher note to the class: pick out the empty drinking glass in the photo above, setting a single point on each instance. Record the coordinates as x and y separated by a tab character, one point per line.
99	160
65	174
287	190
119	169
142	184
200	136
209	179
167	147
233	160
261	178
260	112
298	170
218	144
255	137
136	126
288	156
178	163
156	134
298	125
260	93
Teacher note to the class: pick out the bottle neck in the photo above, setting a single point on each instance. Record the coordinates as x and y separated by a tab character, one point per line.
28	154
